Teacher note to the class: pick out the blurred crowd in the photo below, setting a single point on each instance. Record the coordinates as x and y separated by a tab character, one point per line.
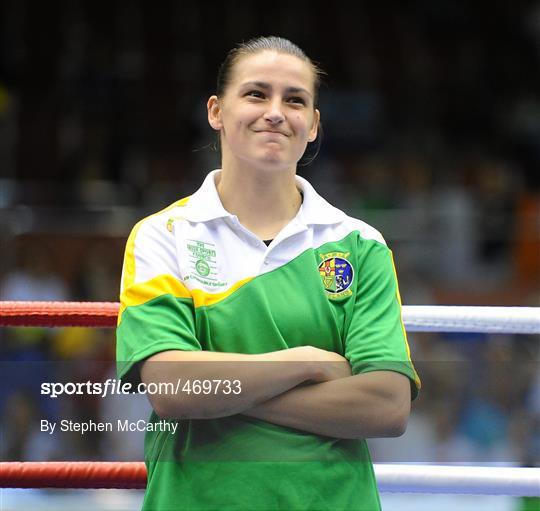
431	117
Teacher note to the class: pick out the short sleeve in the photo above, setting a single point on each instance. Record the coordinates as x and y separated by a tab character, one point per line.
156	309
376	339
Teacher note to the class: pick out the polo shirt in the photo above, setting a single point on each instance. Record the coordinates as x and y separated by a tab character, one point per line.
195	279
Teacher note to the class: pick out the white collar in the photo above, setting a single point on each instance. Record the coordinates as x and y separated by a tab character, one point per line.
205	205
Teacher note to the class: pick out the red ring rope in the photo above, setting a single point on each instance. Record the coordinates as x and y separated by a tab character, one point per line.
56	314
78	474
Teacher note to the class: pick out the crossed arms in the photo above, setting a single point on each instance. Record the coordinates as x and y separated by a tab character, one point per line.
306	388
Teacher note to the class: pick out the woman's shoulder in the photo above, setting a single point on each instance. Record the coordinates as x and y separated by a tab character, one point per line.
331	219
172	209
364	230
351	228
162	222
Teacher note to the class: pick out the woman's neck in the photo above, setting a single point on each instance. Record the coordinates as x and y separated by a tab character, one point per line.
264	201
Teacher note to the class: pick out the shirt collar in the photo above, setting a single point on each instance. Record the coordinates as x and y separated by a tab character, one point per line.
315	209
205	205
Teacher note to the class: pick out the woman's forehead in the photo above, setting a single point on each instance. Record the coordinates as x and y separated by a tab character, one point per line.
270	67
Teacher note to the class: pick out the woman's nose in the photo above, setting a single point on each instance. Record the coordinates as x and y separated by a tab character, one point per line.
274	113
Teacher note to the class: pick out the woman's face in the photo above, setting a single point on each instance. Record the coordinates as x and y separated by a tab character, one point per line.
266	116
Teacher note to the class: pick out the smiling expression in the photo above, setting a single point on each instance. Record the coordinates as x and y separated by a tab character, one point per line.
267	115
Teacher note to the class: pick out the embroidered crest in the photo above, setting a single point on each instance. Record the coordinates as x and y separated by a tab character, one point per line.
337	274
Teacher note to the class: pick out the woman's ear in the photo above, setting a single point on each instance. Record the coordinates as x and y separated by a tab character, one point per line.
214	113
315	128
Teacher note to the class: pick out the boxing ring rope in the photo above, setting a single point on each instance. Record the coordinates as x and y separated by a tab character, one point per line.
513	481
73	474
59	314
390	478
417	318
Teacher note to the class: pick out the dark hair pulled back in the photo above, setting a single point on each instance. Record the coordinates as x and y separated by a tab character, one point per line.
259	44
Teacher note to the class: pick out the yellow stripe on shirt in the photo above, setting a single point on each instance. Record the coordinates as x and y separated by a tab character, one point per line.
139	294
204	299
416	377
129	272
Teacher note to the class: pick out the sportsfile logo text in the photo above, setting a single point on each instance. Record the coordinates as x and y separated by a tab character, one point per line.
112	386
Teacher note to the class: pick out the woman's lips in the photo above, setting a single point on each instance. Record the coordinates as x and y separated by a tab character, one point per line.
270	132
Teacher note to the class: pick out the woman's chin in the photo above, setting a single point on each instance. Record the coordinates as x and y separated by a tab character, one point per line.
274	160
269	160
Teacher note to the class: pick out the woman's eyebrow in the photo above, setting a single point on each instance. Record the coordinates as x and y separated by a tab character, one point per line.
265	85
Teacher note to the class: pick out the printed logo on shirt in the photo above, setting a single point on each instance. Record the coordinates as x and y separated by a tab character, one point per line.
337	274
202	264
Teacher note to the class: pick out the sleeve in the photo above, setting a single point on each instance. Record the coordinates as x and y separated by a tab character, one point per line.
376	339
156	309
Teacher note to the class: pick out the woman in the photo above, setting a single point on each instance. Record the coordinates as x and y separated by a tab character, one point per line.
256	267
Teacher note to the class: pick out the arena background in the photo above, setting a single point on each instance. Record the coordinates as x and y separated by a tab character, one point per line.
431	116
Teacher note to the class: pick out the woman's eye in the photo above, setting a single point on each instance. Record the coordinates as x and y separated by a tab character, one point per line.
298	100
255	94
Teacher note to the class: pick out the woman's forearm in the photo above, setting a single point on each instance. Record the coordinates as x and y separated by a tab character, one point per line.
375	404
229	383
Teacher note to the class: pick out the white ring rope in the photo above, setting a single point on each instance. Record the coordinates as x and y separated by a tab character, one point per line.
514	481
496	320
